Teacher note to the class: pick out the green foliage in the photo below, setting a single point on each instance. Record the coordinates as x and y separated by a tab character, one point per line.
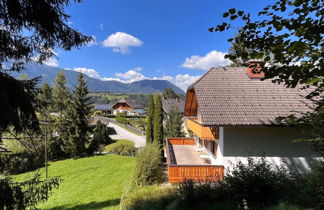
121	119
26	194
288	36
147	198
60	106
173	124
100	136
20	162
45	100
79	112
158	121
150	120
147	168
169	93
122	147
47	24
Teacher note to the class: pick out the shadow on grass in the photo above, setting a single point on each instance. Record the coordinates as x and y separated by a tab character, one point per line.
92	205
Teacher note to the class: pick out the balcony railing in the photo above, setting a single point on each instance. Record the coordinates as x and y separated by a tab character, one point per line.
202	132
179	173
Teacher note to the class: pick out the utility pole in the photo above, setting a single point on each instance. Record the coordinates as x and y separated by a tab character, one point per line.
46	168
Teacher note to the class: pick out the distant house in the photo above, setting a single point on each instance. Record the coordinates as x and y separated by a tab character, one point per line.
104	108
169	104
231	114
126	107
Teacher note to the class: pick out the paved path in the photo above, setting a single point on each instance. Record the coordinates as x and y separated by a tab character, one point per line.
125	134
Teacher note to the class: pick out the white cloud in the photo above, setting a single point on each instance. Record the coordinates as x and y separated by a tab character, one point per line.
101	27
90	72
121	42
185	80
211	59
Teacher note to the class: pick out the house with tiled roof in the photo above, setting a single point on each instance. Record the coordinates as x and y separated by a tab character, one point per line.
128	107
231	114
172	103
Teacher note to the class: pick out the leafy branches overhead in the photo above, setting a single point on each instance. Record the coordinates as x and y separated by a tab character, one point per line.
25	194
289	38
29	31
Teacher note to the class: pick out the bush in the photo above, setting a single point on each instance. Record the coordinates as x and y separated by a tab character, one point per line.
20	162
121	119
149	197
122	147
147	167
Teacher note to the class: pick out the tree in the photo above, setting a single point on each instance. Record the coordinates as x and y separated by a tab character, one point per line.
158	123
61	99
45	99
79	113
29	31
169	93
173	124
100	136
289	38
149	120
238	48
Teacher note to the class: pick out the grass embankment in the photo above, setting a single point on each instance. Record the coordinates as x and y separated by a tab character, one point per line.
88	183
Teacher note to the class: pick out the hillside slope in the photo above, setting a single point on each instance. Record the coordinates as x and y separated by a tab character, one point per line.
48	74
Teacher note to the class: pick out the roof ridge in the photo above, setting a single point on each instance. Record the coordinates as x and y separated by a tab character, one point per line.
204	75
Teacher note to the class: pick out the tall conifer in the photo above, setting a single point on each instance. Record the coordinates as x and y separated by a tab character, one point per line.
149	120
158	121
79	112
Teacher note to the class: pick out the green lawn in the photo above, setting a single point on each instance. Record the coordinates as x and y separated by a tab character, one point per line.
88	183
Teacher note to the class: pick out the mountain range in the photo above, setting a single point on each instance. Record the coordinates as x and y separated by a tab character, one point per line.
48	74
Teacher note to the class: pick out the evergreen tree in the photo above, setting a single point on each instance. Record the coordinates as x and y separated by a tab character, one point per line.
173	125
79	112
60	105
169	93
100	136
158	121
45	100
149	120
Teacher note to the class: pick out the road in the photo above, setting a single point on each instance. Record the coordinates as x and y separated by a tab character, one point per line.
125	134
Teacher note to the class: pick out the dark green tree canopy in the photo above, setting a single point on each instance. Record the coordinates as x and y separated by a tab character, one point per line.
29	31
289	37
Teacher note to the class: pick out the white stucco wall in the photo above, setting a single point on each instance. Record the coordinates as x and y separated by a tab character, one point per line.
237	143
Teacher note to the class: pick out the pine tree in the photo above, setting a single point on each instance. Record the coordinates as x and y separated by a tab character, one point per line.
158	121
79	112
149	120
100	136
173	125
60	105
45	100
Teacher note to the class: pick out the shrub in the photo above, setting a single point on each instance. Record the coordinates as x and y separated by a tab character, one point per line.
257	182
147	167
122	147
20	162
149	197
121	119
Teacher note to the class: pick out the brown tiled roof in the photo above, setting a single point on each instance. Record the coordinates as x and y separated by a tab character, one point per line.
168	104
227	96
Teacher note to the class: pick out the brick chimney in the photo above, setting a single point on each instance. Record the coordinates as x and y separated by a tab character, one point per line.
254	69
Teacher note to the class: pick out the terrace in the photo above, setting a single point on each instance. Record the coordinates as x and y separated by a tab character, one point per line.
186	162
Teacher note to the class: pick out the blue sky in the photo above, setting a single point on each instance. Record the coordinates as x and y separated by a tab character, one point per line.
154	39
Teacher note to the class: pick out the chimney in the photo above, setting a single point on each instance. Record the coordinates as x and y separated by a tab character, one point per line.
254	69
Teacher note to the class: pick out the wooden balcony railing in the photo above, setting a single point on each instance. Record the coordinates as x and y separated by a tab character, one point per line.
179	173
202	132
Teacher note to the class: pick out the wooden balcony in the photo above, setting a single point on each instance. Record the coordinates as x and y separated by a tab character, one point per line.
202	132
184	162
